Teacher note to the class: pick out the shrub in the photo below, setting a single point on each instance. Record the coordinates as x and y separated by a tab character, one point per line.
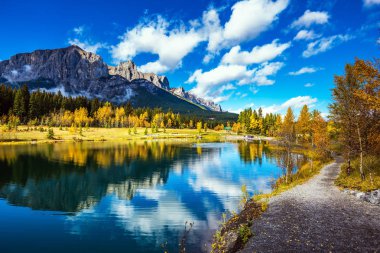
244	232
50	134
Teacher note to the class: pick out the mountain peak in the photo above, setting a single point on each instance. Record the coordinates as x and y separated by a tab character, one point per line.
129	71
73	46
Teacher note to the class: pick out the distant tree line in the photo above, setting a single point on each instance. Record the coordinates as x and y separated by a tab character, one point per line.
20	106
308	128
253	122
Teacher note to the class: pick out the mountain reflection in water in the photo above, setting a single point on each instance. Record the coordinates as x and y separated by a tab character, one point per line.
136	194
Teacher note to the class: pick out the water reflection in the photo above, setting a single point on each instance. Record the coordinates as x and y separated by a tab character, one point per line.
136	193
75	176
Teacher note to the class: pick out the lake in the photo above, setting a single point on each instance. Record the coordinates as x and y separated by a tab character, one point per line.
126	197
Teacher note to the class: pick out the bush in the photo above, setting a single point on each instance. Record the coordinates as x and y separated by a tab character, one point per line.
50	134
244	232
33	122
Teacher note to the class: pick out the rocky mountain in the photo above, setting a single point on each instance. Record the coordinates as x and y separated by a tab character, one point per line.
74	71
180	92
129	71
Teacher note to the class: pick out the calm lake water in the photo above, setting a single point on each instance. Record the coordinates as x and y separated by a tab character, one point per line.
134	197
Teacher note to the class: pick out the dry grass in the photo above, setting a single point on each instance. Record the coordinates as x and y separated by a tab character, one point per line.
371	166
39	134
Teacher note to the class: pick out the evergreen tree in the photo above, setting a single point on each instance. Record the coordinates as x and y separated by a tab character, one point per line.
33	106
6	99
21	103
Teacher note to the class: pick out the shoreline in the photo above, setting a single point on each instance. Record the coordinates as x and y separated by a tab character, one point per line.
33	135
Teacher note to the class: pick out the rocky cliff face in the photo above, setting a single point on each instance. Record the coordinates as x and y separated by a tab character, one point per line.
70	67
180	91
83	73
129	71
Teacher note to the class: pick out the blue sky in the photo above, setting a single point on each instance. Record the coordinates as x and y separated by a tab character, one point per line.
272	54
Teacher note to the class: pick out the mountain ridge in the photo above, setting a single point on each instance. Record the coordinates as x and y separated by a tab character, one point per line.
78	72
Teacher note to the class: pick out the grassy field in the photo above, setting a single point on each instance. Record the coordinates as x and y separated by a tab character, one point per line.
40	134
371	167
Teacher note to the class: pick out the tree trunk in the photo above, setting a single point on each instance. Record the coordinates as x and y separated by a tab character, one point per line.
287	165
361	152
311	164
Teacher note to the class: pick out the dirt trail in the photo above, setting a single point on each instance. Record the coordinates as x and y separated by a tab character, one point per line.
316	216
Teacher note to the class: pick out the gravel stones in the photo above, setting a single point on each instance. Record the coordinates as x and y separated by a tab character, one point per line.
317	217
372	197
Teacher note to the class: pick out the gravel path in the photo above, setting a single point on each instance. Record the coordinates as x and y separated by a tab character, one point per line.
317	217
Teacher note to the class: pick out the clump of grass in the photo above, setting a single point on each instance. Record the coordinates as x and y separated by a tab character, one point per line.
245	195
352	180
237	225
264	205
50	134
244	232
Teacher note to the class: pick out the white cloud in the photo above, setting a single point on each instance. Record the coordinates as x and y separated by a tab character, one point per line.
253	89
242	24
369	3
213	31
324	44
219	99
308	85
87	46
295	103
251	17
258	54
311	17
217	96
227	87
153	67
171	45
325	115
79	30
298	102
207	83
222	74
303	70
267	69
238	110
306	35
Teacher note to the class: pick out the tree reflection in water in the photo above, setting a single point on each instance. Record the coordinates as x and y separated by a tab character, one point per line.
137	193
